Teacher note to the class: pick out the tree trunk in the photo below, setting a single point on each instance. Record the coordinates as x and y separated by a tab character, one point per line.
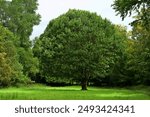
84	79
84	84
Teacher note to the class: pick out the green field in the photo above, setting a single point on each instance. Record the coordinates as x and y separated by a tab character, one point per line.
41	92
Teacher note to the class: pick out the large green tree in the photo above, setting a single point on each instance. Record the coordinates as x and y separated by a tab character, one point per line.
79	45
139	60
10	68
142	37
19	16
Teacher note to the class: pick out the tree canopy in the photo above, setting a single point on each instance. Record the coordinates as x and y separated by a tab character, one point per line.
19	16
139	64
10	68
79	45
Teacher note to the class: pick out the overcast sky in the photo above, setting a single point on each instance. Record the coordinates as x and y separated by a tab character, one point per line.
50	9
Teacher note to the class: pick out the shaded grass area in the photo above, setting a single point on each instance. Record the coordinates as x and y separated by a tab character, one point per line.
40	92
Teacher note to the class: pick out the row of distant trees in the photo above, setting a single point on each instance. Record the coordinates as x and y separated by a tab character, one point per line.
78	47
17	62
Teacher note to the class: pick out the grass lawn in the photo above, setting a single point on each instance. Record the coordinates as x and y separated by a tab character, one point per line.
41	92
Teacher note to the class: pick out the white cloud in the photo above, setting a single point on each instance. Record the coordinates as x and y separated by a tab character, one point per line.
50	9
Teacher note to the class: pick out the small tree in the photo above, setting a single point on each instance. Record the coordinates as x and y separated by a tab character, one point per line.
79	45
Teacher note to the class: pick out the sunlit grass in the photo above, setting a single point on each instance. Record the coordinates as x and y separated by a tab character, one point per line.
40	92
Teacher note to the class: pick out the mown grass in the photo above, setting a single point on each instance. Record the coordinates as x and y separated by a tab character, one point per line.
40	92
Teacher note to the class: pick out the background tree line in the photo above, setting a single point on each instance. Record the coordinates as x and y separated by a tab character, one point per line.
17	18
77	47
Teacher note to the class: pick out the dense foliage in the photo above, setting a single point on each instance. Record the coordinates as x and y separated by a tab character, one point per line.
19	16
139	56
10	68
78	45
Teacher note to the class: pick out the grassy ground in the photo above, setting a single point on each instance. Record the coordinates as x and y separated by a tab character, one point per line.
40	92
